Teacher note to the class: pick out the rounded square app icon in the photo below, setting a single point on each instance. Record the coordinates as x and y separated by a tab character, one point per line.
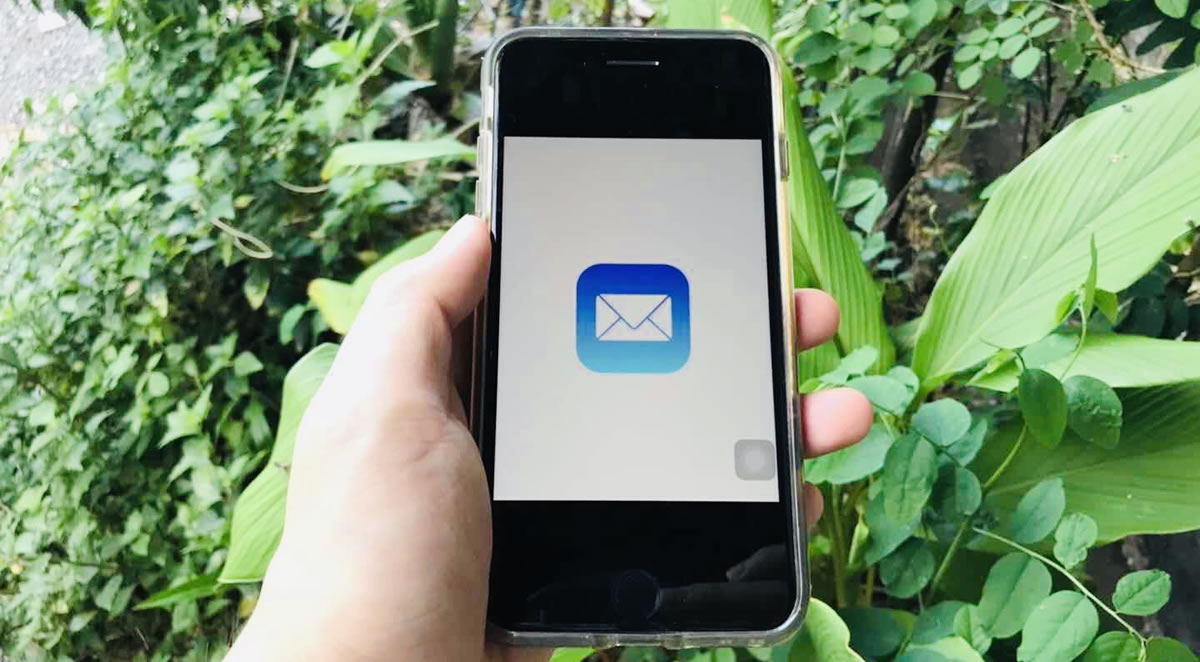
632	318
754	459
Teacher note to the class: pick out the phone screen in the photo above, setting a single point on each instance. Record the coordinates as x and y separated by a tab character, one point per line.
634	418
634	334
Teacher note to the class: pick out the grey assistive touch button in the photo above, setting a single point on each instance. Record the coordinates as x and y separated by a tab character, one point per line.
754	459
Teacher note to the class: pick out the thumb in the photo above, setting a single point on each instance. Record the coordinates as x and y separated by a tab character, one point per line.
402	333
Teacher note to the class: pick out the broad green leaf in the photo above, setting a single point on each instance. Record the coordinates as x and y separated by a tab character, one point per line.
257	521
936	622
1146	485
948	649
1059	630
1162	649
1043	406
1118	360
191	590
1026	63
964	450
908	474
1121	174
852	463
969	625
1074	535
886	534
1039	511
823	637
1114	647
1142	593
908	569
1093	410
757	16
834	260
943	421
1172	8
886	393
391	152
1014	587
571	654
339	303
956	494
876	632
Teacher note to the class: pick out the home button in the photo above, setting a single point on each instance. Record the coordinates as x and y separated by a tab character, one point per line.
634	595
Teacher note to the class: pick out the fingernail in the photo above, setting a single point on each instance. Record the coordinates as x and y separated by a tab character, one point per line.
458	233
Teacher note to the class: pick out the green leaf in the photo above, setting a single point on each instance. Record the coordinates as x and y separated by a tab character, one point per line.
967	78
1120	361
885	393
1107	303
874	59
1089	284
1059	630
1012	46
1026	63
968	53
756	16
571	654
1114	647
936	622
943	421
823	637
1014	587
969	625
1074	535
876	632
852	463
1172	8
856	192
965	449
1142	593
886	35
817	17
976	36
257	521
1039	511
956	494
1146	485
189	591
1030	243
908	569
1043	406
920	14
1008	27
908	474
1093	411
948	649
886	534
896	12
919	84
255	287
1043	26
391	152
105	598
288	322
339	303
330	53
833	258
246	363
1162	649
817	49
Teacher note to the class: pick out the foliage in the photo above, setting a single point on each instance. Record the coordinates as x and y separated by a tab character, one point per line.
154	262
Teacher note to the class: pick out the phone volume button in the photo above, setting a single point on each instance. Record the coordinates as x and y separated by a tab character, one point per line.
784	166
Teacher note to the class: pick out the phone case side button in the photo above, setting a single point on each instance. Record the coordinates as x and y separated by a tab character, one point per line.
784	169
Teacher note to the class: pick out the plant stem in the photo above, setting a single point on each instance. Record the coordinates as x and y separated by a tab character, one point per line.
1066	573
945	565
1007	460
840	551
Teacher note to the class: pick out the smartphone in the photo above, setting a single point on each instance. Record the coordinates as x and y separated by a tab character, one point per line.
634	395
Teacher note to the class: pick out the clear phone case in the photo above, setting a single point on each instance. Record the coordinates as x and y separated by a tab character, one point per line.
485	207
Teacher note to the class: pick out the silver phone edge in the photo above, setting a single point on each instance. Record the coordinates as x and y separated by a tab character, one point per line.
485	202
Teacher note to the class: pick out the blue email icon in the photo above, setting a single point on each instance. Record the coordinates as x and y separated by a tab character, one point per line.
632	318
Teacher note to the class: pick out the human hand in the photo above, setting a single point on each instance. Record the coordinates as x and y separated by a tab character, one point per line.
387	540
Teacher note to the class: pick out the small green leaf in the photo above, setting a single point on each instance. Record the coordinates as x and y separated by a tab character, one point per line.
874	59
1043	26
967	53
255	287
106	596
1196	23
1014	587
976	36
908	569
964	450
989	50
817	17
875	632
1038	511
1172	8
392	152
943	421
1059	630
886	534
1066	305
1163	649
919	84
896	12
1114	647
908	474
1008	27
956	494
852	463
246	363
947	649
886	35
855	192
157	384
1043	406
817	49
1094	411
1026	63
571	654
288	322
191	590
1012	46
1089	285
1142	593
1107	303
887	394
969	625
1074	535
328	54
824	637
860	33
967	78
936	622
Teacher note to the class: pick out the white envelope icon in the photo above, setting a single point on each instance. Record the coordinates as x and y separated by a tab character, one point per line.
637	317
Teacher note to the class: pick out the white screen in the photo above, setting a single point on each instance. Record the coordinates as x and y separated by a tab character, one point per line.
667	394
